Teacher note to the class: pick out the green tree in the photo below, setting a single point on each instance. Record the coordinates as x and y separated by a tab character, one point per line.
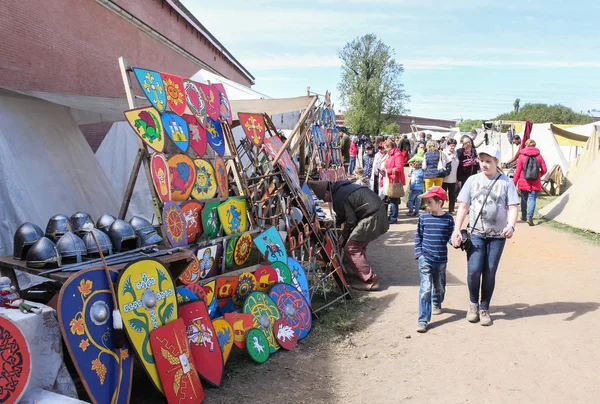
469	124
541	113
516	105
371	86
391	129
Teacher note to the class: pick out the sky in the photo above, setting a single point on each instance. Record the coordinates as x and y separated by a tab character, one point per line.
463	59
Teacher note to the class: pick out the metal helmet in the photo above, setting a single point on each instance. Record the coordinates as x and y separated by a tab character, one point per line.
105	221
123	236
25	236
103	241
145	231
78	220
43	253
71	246
57	226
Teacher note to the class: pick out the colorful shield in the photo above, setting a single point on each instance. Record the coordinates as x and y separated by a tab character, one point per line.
147	300
308	200
230	251
15	360
240	323
214	133
203	341
272	146
191	274
243	248
205	186
285	334
222	180
198	139
195	101
192	211
175	92
284	274
299	279
233	216
147	125
226	287
160	176
210	219
264	314
334	260
257	345
174	225
153	87
177	129
209	261
211	300
211	96
266	276
198	290
175	363
225	108
224	336
293	306
270	244
183	176
253	126
246	285
184	295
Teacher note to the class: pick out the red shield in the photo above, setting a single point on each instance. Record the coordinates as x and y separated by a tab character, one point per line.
266	276
183	176
285	334
253	126
333	257
160	176
226	287
193	221
241	324
211	96
221	174
175	91
15	362
191	275
175	365
198	139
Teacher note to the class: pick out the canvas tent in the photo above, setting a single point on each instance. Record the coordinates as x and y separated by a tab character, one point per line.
549	149
585	159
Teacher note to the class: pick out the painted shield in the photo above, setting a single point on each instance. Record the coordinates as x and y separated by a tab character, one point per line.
225	108
266	276
246	285
240	323
308	199
257	345
84	311
214	133
160	176
195	101
264	314
192	212
183	176
334	260
224	336
211	96
253	126
230	251
205	186
174	225
147	125
15	360
233	216
175	364
198	139
272	147
270	244
209	258
222	180
299	279
175	91
153	87
210	219
284	275
293	307
211	300
191	274
226	287
147	300
285	334
243	248
184	295
203	341
177	129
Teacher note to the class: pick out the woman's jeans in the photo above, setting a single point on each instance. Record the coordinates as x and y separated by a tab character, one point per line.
482	263
528	203
352	165
433	288
394	202
414	202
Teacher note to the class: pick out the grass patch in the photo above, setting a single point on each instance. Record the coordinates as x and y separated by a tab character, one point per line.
586	235
338	319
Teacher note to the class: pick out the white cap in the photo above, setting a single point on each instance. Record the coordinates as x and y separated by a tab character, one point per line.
490	151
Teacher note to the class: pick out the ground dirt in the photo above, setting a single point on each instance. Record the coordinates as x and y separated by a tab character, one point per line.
542	348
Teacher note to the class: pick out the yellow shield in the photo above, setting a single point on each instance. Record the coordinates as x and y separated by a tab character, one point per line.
147	125
233	216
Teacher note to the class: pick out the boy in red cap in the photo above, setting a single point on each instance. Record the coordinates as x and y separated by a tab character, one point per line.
434	232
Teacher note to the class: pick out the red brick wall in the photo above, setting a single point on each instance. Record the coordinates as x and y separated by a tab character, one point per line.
95	133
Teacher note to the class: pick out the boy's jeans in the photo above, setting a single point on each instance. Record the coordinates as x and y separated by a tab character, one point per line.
433	287
352	165
414	202
528	203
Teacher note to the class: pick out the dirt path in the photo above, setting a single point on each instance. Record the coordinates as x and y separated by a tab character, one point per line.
542	348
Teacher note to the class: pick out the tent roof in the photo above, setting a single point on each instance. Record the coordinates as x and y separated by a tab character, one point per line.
271	106
573	139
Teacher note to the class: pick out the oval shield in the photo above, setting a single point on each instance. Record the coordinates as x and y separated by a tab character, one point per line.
198	139
264	314
147	125
246	285
293	307
222	180
153	87
160	176
192	211
233	216
257	345
230	251
174	225
175	92
205	186
15	357
243	248
177	129
210	219
183	176
195	101
224	336
214	133
284	275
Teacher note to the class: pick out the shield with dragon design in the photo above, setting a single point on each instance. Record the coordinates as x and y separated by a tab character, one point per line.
209	258
266	276
224	107
191	274
222	180
214	133
299	279
15	362
147	125
243	248
195	101
174	225
183	176
270	244
253	126
240	323
264	313
226	287
175	364
192	211
154	89
246	285
161	179
293	306
198	139
175	91
285	334
233	216
224	336
177	129
206	185
230	251
147	300
84	312
203	341
211	97
257	345
210	219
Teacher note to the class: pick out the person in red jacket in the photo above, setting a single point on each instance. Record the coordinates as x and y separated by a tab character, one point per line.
394	170
529	187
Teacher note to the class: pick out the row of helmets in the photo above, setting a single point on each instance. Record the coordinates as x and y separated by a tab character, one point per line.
68	240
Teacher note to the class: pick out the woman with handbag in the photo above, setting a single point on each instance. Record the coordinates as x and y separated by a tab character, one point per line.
434	165
491	201
393	175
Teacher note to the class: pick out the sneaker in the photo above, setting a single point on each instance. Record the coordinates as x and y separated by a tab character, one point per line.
436	310
486	320
473	313
530	221
422	327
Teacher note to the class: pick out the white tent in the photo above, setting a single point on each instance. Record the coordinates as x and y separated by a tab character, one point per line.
549	148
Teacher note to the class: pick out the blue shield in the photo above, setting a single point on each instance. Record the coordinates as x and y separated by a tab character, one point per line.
271	246
299	279
153	87
177	129
215	136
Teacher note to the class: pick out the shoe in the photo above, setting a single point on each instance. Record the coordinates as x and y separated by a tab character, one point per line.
371	285
393	221
486	320
409	213
530	221
422	327
523	219
436	310
416	214
473	313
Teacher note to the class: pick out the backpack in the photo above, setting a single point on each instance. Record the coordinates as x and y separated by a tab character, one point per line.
531	169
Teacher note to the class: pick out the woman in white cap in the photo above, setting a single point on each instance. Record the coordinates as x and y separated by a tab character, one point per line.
491	200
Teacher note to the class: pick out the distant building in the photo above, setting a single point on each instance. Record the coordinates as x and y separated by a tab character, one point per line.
405	121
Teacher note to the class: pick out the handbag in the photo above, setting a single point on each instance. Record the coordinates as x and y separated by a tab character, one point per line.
395	190
443	171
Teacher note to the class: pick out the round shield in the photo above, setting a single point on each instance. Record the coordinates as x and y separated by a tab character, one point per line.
191	274
285	334
183	176
299	279
246	285
243	248
222	180
192	211
257	345
205	186
283	272
266	277
224	336
174	225
16	362
293	307
230	251
264	314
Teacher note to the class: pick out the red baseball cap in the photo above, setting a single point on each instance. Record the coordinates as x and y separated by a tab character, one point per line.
435	191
